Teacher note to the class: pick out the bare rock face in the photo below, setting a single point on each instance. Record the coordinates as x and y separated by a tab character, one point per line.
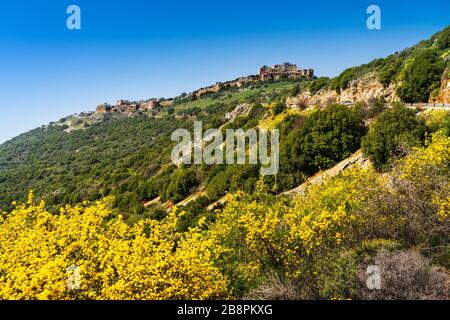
103	108
366	88
166	103
240	110
323	97
444	92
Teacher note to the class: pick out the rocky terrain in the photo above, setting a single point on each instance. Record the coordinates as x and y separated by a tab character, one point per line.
444	92
367	89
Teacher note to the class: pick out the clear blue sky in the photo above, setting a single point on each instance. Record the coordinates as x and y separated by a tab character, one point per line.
138	49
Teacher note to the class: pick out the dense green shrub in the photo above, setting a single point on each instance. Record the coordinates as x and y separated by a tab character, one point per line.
396	130
232	178
442	41
318	84
180	184
420	76
295	90
369	110
390	70
341	82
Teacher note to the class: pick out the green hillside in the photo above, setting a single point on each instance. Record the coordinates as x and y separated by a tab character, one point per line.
417	70
128	157
107	182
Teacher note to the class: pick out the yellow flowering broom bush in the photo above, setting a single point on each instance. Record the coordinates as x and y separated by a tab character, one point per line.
435	156
312	242
281	236
296	239
149	260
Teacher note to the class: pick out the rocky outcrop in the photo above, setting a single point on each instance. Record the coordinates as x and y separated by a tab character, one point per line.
323	97
366	88
166	103
240	110
103	108
444	92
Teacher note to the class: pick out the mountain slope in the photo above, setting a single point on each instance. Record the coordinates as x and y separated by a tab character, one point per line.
127	155
417	74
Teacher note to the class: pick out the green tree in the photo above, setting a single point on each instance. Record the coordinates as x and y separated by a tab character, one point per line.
420	76
180	184
327	137
318	84
396	130
443	39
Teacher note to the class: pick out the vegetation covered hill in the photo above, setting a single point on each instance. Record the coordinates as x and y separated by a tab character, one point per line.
106	182
416	72
88	157
128	157
315	246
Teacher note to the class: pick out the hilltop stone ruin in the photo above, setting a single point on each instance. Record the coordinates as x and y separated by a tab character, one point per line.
285	70
276	72
127	106
279	71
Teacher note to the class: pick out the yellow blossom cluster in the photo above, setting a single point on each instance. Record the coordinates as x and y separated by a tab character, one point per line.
286	236
283	236
149	260
444	206
435	155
